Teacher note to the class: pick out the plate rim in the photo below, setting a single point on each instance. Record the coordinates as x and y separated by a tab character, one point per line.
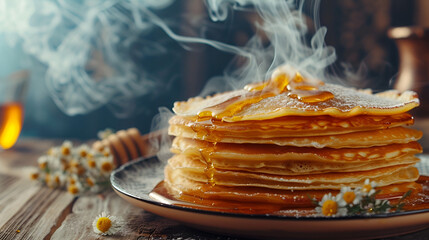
243	215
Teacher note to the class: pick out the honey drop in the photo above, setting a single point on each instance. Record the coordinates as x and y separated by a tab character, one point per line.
311	96
297	87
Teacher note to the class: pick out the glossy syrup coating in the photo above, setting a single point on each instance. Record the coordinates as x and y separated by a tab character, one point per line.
283	95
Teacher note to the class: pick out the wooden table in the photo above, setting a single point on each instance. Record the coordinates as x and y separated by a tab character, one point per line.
31	211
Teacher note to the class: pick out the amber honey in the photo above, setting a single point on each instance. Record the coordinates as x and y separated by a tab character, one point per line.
298	204
11	115
297	87
273	146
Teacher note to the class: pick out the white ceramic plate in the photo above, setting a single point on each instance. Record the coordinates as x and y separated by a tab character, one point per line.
134	182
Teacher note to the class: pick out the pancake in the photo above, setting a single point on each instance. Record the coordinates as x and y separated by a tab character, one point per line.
294	160
350	140
292	125
288	93
192	191
303	167
310	167
347	103
197	171
264	153
291	137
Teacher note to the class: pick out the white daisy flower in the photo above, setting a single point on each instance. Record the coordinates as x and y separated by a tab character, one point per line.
90	181
368	188
54	163
34	174
90	161
72	179
43	162
83	150
58	179
331	206
106	165
76	167
53	152
350	197
75	188
106	224
106	152
66	148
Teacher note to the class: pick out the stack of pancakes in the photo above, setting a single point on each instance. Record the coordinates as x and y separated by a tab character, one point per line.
289	139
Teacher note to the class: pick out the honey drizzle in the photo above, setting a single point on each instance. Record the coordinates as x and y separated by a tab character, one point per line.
206	154
312	96
209	129
301	205
297	88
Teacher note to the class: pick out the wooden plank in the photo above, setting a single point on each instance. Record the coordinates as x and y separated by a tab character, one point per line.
14	194
138	224
78	224
37	216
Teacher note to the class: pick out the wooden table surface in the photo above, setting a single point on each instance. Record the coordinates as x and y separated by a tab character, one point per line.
31	211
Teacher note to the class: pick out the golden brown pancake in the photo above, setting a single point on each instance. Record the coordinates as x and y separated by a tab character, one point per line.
303	167
294	160
189	190
275	142
290	126
349	140
347	103
273	153
197	171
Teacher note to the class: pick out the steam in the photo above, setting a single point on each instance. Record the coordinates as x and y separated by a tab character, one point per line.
85	46
285	26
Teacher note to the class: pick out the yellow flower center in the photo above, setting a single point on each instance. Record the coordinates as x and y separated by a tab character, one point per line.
65	151
80	170
106	153
42	165
72	181
57	179
104	224
349	197
64	163
366	188
83	153
91	163
90	182
34	176
329	208
74	164
73	189
106	166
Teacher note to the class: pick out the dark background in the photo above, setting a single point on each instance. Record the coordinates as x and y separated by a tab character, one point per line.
357	30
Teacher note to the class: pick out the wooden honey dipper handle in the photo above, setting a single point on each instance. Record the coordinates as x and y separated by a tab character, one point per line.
127	145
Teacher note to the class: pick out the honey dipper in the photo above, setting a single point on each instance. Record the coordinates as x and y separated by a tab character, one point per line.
126	145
